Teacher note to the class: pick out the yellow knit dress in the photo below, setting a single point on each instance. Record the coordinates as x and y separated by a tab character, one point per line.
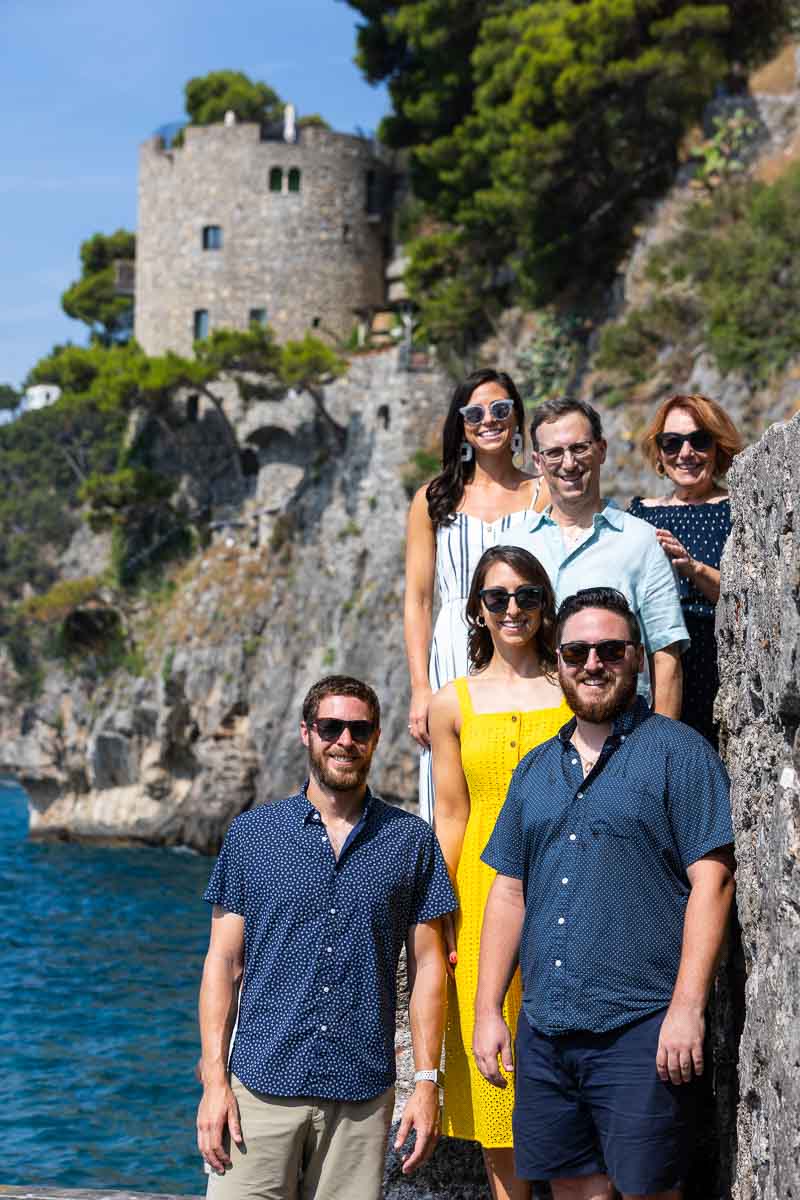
491	746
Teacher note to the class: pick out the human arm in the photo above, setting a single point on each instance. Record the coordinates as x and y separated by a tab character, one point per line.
501	932
680	1042
219	992
426	979
417	611
451	809
702	575
666	680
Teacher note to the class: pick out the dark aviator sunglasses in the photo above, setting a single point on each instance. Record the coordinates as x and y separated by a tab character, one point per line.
496	600
671	444
330	729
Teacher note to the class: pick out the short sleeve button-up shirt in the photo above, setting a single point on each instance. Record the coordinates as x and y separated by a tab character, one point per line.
322	942
619	551
603	861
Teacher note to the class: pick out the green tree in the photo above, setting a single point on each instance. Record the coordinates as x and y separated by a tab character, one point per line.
209	97
93	298
309	365
9	398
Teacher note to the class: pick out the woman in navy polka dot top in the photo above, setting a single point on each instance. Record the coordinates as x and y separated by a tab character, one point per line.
692	441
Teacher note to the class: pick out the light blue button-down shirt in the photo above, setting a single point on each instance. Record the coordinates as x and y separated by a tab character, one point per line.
619	551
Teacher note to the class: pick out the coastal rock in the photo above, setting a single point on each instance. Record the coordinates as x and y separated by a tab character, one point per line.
758	626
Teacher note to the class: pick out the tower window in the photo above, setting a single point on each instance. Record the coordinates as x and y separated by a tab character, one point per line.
212	237
276	179
294	179
371	197
257	316
192	407
200	324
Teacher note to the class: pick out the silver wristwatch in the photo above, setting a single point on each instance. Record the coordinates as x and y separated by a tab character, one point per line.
431	1075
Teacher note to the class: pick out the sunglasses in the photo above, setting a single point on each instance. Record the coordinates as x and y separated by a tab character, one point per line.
473	414
330	729
671	444
496	600
575	654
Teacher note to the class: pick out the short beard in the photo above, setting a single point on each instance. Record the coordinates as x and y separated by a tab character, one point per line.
348	781
604	708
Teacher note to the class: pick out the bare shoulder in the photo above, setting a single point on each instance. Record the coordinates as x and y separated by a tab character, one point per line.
444	703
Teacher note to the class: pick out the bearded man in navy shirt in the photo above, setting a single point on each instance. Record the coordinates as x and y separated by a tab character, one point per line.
314	897
615	881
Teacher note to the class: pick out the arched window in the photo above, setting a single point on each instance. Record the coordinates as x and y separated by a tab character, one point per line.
294	179
276	179
200	324
212	237
371	190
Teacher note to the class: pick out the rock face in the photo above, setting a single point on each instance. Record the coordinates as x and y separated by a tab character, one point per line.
758	626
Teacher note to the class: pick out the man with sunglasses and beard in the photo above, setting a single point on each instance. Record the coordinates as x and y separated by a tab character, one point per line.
614	886
314	897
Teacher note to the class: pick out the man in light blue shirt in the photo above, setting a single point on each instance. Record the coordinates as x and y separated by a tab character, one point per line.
583	541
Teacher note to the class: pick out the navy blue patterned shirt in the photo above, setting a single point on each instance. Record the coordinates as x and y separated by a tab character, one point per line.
322	941
603	863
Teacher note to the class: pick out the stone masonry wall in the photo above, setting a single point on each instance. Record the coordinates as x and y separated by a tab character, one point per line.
311	255
758	625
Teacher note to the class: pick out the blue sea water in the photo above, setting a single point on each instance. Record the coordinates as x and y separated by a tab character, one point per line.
100	958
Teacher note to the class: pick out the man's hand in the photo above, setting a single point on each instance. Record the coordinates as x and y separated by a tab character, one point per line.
491	1039
218	1110
422	1115
680	1044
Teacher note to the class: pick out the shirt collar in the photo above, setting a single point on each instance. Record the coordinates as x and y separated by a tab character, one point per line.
624	724
310	813
610	514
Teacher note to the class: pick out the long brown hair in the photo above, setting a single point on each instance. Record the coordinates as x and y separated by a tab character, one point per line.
480	647
445	491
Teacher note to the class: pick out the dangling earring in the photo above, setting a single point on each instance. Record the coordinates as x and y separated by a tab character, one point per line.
516	443
659	468
466	452
480	621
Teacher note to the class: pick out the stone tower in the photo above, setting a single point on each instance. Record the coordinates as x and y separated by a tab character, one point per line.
243	224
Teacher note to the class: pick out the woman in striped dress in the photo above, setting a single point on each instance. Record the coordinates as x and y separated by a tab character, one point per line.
477	500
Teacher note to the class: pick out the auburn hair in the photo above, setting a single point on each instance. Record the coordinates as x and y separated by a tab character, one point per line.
709	416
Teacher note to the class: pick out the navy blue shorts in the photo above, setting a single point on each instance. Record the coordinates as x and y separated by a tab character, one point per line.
589	1103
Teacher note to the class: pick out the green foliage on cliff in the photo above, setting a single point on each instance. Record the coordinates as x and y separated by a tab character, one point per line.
537	129
93	298
730	280
209	97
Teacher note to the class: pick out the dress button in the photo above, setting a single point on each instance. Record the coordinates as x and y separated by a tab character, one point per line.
326	989
572	838
561	920
513	743
558	964
513	718
565	880
324	1028
324	839
333	912
329	949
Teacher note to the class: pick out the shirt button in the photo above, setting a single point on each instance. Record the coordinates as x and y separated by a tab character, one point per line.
580	795
574	762
572	837
326	989
622	737
564	880
558	964
324	1028
324	838
333	912
561	920
329	949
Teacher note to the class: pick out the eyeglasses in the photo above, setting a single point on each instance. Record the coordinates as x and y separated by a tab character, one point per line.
553	455
575	654
496	600
671	444
473	414
330	729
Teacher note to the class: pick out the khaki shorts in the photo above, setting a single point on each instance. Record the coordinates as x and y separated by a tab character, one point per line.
306	1149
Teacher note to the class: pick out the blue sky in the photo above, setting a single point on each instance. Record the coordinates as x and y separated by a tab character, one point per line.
85	81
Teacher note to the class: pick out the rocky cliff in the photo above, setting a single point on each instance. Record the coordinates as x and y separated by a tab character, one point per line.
758	625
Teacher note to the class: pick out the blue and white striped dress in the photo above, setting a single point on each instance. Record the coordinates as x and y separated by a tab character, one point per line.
458	548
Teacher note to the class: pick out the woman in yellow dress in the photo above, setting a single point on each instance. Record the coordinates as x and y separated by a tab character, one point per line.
481	727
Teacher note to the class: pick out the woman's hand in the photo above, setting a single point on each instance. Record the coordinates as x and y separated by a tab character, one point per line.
418	716
677	553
